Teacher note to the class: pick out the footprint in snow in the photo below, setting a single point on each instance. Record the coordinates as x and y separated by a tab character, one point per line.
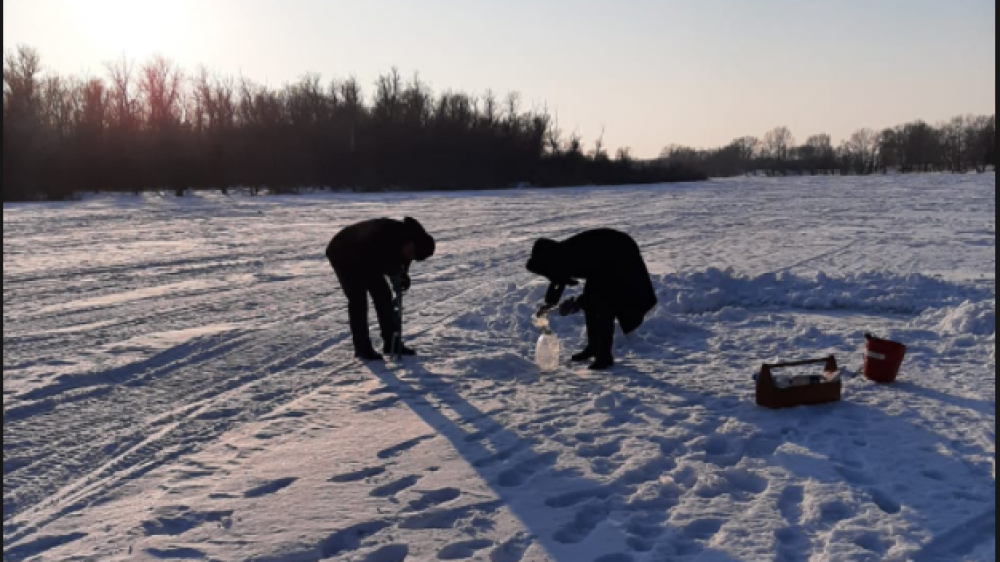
835	512
586	522
176	521
704	530
391	553
447	519
351	539
512	550
363	474
377	405
886	503
176	553
270	488
464	550
398	450
521	474
600	451
395	488
791	505
437	498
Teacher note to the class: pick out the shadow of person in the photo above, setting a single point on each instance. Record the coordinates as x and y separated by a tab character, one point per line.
978	406
524	471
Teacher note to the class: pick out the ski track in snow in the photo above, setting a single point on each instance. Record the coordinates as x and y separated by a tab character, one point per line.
178	383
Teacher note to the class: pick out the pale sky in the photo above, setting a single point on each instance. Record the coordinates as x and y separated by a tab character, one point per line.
650	72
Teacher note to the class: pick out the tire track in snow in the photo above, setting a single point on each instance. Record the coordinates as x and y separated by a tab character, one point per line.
167	447
175	433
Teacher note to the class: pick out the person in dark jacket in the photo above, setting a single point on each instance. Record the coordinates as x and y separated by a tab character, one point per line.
618	286
363	256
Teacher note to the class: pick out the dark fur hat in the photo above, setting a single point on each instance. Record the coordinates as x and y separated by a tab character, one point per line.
426	246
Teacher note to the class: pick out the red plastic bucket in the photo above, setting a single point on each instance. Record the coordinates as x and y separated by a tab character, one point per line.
883	360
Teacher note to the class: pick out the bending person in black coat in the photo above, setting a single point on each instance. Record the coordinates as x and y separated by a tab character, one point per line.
363	256
618	286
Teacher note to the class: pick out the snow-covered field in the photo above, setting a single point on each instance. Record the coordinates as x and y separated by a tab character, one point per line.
178	383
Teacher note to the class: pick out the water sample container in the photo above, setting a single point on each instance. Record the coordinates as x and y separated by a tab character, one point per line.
548	351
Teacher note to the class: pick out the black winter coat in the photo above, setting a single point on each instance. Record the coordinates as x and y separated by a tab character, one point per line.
375	247
610	262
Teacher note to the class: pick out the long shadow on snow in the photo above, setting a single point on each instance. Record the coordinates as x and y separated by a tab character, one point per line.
980	406
512	482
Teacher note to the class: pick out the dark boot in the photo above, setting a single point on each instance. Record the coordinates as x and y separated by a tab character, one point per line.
403	351
603	364
369	356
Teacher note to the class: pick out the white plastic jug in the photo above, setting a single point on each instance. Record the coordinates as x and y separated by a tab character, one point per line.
547	354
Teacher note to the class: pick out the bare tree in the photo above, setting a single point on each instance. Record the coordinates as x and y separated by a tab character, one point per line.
683	155
818	153
953	142
125	104
388	91
862	151
987	144
600	152
820	143
308	104
748	148
260	107
417	104
491	109
161	87
92	117
58	105
891	150
202	100
624	155
22	69
513	107
574	145
922	146
214	102
351	95
554	137
778	144
979	130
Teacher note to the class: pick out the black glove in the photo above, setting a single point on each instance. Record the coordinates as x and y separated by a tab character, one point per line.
570	307
405	283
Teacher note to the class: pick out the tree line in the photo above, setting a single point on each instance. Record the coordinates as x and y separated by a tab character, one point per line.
964	144
153	126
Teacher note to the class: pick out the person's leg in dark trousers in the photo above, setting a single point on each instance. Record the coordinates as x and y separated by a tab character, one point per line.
600	325
356	291
590	352
604	329
381	294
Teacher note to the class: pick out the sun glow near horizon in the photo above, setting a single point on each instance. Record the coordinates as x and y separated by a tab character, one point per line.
137	30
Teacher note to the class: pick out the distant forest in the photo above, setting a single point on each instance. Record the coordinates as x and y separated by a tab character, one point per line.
964	144
153	126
